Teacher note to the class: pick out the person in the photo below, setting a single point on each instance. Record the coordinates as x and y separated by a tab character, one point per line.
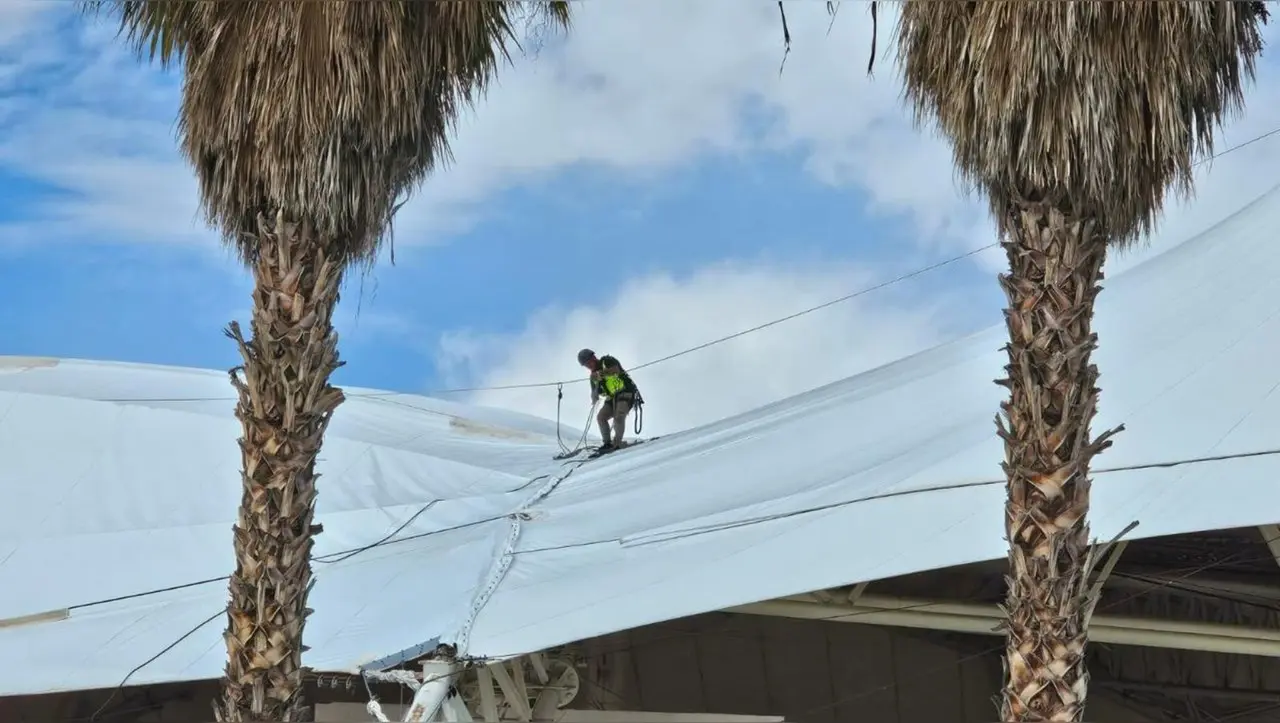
610	380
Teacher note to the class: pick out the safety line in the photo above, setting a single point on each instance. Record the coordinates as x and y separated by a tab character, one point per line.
700	347
561	382
547	489
544	492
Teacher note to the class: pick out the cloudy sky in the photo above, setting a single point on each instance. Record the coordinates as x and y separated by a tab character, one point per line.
642	186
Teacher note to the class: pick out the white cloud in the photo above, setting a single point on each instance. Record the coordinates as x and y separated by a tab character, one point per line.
657	315
638	89
83	116
617	95
635	88
17	17
654	316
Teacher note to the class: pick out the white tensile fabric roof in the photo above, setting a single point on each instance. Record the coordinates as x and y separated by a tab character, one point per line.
116	509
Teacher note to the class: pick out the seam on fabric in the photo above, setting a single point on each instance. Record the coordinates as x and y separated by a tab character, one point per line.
502	563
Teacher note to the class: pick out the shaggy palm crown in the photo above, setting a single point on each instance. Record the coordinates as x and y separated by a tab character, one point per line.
1105	103
331	111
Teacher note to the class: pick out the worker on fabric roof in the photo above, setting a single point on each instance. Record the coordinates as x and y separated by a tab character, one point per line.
609	379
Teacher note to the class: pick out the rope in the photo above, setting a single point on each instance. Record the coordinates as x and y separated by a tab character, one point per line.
565	452
119	688
542	385
810	310
1236	557
564	449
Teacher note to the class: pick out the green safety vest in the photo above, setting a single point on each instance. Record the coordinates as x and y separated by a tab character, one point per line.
613	383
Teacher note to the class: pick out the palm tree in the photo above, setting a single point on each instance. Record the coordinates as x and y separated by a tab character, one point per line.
305	122
1074	119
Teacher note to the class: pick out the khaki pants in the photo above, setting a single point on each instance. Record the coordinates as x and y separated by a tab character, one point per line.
615	410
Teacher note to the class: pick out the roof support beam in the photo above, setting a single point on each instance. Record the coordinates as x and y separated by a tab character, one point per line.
488	701
983	620
1235	694
1147	578
519	702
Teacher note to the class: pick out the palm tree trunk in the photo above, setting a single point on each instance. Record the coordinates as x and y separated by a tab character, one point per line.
1055	266
285	405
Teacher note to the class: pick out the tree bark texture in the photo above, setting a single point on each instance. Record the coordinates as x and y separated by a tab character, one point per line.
285	403
1055	267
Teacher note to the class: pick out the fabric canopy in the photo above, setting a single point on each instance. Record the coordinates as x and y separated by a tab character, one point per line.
121	483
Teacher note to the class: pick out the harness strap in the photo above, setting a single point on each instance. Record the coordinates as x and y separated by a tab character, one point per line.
638	405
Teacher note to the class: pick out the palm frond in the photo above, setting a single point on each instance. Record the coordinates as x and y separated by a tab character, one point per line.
156	30
1108	103
559	13
329	110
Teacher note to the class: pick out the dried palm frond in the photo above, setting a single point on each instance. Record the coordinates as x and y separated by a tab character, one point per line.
1107	103
332	110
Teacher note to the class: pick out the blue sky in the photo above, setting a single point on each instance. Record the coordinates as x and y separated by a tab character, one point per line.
603	195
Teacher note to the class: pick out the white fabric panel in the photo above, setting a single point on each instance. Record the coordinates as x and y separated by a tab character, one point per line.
890	472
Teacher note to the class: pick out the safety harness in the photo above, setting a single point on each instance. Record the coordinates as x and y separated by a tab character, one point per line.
614	384
611	386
